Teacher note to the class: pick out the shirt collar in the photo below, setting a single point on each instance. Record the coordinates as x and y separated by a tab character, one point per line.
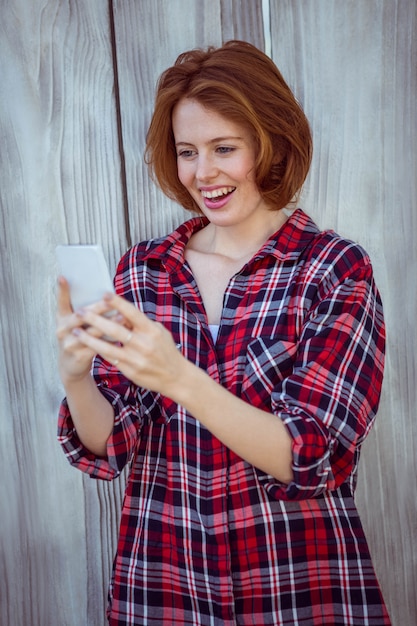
291	239
285	245
169	250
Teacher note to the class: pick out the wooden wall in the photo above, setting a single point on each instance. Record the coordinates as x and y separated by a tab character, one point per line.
76	93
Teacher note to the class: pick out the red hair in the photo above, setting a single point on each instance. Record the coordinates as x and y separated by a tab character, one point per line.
242	84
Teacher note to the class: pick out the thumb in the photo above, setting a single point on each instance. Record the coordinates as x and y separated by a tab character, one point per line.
64	299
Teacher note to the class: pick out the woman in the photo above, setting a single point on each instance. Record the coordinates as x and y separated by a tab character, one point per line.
244	376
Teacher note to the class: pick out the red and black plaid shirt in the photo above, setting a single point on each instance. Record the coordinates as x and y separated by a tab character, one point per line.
206	538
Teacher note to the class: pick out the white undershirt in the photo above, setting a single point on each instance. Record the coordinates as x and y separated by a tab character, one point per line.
214	329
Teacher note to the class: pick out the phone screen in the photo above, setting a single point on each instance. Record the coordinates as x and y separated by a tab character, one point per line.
86	271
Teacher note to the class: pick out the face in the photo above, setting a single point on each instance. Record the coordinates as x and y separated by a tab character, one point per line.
216	161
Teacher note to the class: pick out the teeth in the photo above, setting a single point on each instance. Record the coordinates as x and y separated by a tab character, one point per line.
216	193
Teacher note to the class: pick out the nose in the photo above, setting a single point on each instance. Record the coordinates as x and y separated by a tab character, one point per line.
206	168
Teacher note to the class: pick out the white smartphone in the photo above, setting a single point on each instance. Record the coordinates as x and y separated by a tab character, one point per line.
86	271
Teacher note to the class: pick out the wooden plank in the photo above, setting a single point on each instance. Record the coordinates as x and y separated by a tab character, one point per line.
147	43
350	65
59	182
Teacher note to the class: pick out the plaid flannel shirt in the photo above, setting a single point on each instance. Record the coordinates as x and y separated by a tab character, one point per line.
206	538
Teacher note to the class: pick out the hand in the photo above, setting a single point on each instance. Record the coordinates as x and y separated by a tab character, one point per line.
75	357
143	350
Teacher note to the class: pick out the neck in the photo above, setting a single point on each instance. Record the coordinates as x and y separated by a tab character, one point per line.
241	240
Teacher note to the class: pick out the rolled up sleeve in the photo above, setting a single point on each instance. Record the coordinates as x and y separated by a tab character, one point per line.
121	444
329	401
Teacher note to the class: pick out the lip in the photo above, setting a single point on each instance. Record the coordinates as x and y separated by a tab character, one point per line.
213	201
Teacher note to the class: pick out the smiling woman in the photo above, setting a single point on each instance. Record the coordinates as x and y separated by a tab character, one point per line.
241	84
244	375
218	166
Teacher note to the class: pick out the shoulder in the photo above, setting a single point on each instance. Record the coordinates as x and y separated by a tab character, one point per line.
133	272
140	250
328	259
160	248
301	239
326	247
145	261
337	266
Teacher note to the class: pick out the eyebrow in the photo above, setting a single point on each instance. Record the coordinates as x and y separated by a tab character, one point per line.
215	140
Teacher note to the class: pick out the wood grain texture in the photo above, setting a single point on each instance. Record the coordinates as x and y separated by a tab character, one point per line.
142	58
352	66
59	182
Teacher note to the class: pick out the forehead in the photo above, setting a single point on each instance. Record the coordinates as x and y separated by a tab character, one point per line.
190	119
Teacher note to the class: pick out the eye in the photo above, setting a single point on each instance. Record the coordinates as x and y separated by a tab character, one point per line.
186	153
224	149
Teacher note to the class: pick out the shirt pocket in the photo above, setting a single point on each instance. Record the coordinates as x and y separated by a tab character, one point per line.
269	362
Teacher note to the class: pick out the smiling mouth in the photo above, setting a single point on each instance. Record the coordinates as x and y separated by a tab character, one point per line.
217	194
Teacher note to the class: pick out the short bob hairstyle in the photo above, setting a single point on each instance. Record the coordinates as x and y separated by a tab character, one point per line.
242	84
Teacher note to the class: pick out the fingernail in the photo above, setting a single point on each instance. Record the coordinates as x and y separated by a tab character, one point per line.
76	331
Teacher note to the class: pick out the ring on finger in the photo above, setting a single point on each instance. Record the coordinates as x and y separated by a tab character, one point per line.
128	338
115	362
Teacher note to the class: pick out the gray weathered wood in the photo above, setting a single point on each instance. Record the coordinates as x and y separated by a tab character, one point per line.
61	179
59	182
352	65
150	35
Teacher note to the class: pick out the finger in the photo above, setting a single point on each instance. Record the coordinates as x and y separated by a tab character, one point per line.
64	329
102	308
75	348
97	345
129	311
63	299
99	325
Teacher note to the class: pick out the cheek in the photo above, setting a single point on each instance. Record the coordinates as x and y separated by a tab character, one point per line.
247	169
184	174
